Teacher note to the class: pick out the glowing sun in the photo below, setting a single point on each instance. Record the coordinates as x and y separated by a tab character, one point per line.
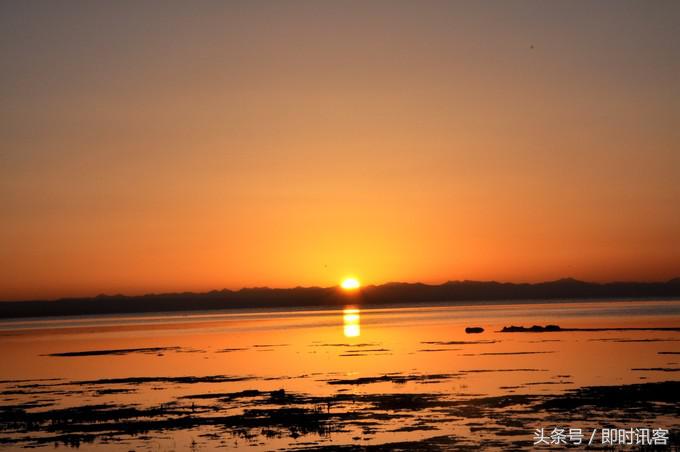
350	284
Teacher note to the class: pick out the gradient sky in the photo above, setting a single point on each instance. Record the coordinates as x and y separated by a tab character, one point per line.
170	146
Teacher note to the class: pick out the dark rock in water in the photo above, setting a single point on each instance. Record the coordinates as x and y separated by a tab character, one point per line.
557	328
513	329
532	329
474	329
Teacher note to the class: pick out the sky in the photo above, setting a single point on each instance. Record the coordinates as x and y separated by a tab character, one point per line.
187	146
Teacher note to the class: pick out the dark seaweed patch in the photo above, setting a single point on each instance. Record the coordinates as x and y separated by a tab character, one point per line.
391	378
507	353
632	340
120	351
225	395
269	414
180	380
458	342
502	370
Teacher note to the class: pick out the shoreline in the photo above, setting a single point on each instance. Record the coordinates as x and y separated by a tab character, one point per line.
197	314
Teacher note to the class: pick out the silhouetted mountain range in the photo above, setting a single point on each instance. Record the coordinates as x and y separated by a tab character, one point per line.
390	293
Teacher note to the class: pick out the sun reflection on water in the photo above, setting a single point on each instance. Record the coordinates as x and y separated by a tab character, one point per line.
350	320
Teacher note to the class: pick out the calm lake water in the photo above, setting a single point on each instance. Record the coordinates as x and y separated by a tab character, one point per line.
306	379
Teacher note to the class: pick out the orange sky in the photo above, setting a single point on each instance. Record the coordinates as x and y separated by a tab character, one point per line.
193	147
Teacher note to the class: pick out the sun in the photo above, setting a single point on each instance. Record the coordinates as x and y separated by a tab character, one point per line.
350	284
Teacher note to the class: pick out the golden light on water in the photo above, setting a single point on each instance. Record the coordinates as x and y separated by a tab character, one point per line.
350	284
350	320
